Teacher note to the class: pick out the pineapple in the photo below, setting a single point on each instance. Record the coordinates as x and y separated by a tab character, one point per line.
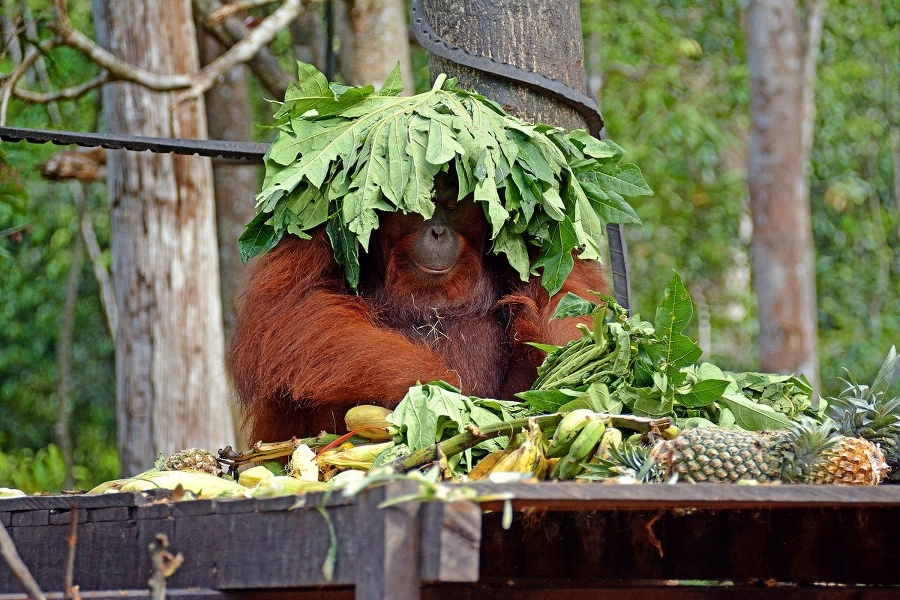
846	448
192	459
857	443
868	419
852	461
717	454
808	452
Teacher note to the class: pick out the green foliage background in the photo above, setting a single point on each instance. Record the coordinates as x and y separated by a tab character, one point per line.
674	94
673	91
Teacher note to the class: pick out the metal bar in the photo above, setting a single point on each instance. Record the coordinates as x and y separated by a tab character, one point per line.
246	151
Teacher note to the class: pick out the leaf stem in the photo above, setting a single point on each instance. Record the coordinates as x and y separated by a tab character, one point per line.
439	82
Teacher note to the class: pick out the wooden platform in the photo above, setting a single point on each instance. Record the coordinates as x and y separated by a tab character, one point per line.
566	540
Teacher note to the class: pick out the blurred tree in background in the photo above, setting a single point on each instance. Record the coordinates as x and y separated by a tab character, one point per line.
672	83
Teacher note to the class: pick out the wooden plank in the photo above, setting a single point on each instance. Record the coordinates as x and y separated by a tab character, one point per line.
800	546
754	550
643	545
580	535
109	555
695	542
263	549
389	559
451	534
59	516
113	513
171	594
598	539
813	545
29	518
153	512
871	545
65	501
497	555
665	590
564	495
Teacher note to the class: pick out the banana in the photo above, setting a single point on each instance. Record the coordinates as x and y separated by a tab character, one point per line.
670	433
543	467
568	430
588	438
612	438
484	466
528	457
523	459
565	468
581	449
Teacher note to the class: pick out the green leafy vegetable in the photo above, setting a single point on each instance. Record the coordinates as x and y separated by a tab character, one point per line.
345	154
628	365
437	411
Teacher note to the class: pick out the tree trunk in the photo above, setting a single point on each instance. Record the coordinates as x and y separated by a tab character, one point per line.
309	38
374	38
782	47
171	386
539	36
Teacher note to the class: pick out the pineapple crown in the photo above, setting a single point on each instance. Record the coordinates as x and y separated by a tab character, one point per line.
868	411
804	447
628	459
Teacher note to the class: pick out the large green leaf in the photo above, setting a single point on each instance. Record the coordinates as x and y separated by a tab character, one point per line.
702	393
754	416
345	153
672	315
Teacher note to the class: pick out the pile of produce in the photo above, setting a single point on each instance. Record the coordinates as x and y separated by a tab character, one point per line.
625	403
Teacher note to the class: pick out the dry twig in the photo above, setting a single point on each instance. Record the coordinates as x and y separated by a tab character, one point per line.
118	68
232	8
244	50
71	591
164	566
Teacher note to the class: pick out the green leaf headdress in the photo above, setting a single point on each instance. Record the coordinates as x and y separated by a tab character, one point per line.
344	153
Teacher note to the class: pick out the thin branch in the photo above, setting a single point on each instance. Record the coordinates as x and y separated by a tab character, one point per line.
71	93
71	590
64	346
231	9
13	230
245	49
264	65
19	569
164	566
11	31
242	52
101	273
810	37
118	68
17	74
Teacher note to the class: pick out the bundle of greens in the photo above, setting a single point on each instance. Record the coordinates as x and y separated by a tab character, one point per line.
629	365
345	153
